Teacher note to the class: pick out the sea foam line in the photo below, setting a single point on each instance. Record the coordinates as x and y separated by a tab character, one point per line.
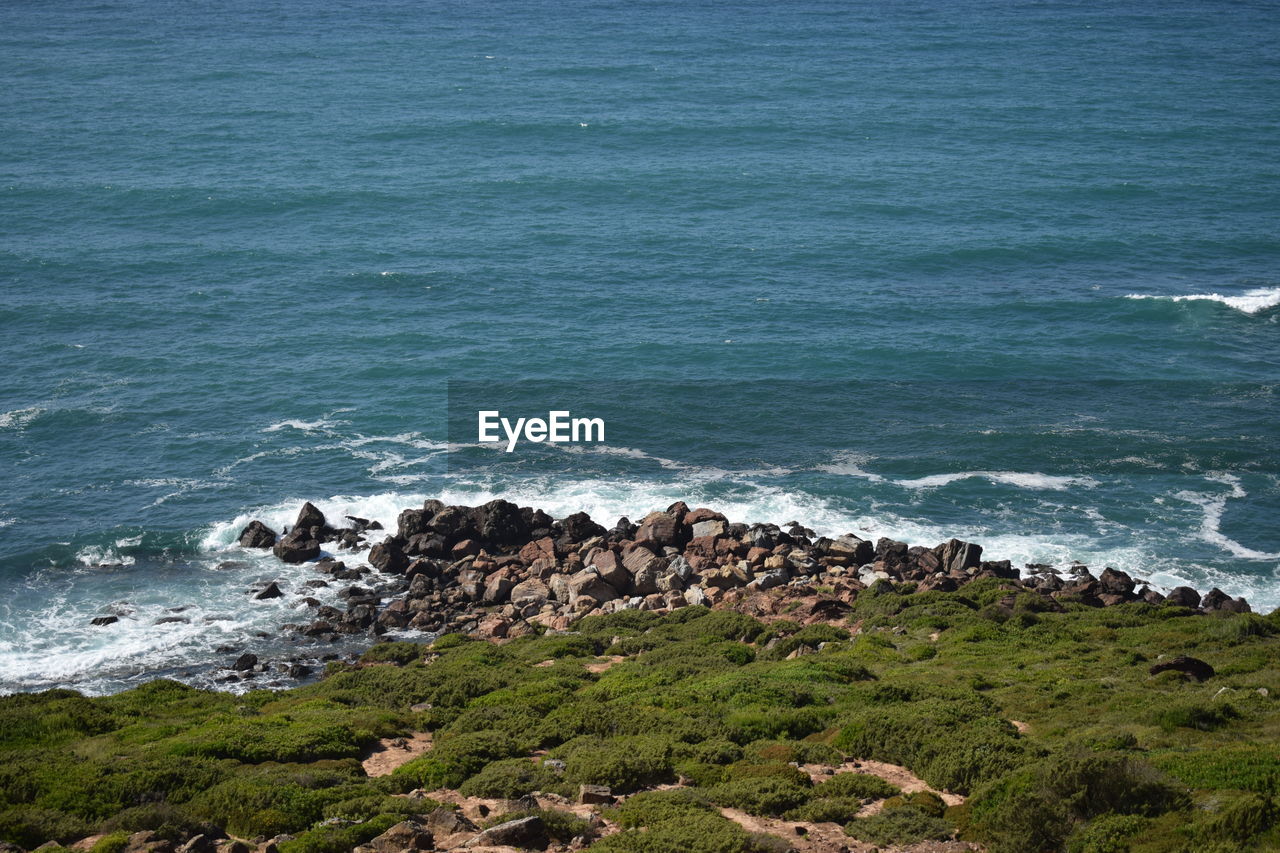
1253	301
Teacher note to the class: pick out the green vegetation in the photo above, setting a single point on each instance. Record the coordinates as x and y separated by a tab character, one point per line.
1110	758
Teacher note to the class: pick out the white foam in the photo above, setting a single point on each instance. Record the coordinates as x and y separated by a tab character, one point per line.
849	464
1254	301
19	418
383	508
1020	479
102	555
1214	504
305	426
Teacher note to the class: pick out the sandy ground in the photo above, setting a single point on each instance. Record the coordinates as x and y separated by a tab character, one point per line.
390	753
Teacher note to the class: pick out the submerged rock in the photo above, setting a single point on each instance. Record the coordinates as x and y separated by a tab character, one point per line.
257	535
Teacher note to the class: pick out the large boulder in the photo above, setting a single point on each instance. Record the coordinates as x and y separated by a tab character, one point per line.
298	546
1183	596
858	551
660	529
257	535
500	524
1216	599
611	568
530	593
959	556
521	832
412	522
1194	667
588	583
388	556
310	516
579	527
1115	582
406	835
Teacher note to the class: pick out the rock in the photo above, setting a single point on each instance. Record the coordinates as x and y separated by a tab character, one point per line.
406	835
500	523
446	821
1183	596
695	596
859	551
711	527
538	549
257	535
958	556
521	832
1115	582
297	547
530	593
413	522
610	567
589	583
1194	667
595	795
198	844
388	557
104	620
1215	599
579	527
497	587
272	590
660	529
1150	596
769	579
308	517
245	662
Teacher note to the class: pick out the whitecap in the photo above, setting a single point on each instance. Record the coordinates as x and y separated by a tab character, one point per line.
849	464
1254	301
306	426
19	418
1213	505
1020	479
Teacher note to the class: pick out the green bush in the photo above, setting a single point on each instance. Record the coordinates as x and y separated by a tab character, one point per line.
339	839
112	842
859	785
1195	715
1108	833
905	825
827	810
400	653
653	807
455	759
513	778
761	795
624	763
690	833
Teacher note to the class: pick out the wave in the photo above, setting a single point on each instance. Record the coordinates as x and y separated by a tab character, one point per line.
19	418
1254	301
1023	480
1214	504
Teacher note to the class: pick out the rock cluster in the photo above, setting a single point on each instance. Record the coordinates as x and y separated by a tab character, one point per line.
495	569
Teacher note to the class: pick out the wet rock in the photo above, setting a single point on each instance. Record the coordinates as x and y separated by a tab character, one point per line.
1194	667
272	590
388	557
500	523
308	517
299	670
412	522
104	620
257	535
957	555
245	662
297	547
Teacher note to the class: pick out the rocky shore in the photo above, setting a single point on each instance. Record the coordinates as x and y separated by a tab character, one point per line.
499	570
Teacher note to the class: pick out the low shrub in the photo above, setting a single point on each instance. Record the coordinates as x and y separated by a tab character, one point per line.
1204	716
907	825
399	653
624	763
1108	833
761	795
653	807
860	785
513	778
827	810
338	838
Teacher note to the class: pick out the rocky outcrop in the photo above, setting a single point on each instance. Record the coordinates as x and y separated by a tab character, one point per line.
1194	667
257	535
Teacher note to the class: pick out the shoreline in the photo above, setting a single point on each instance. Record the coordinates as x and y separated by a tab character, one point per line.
498	570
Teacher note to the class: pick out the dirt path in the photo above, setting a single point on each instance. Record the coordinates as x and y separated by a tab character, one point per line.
390	753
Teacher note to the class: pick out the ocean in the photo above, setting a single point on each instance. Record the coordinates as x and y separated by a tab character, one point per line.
1006	271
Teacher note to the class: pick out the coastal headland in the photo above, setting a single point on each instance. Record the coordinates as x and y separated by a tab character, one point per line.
681	682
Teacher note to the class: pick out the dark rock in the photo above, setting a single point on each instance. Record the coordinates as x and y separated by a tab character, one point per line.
1183	596
387	556
272	590
1216	599
297	547
959	556
1194	667
257	535
1115	582
501	524
104	620
299	670
245	662
412	522
308	517
660	529
579	527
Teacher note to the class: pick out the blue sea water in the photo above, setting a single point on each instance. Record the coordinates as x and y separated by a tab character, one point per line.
1002	270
